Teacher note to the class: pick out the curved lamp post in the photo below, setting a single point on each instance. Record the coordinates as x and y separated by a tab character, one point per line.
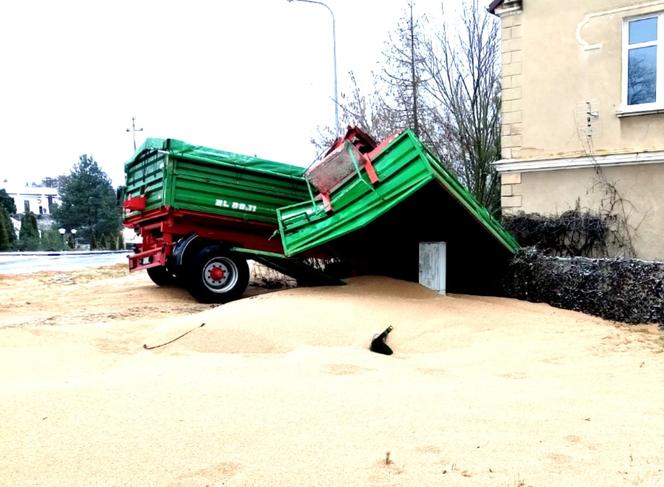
62	231
334	59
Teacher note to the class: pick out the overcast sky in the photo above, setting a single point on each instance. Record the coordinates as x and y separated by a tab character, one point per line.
249	76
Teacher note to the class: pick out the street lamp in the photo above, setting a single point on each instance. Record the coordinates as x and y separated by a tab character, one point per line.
334	59
73	232
62	231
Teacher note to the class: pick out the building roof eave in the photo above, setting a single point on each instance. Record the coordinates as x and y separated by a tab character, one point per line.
494	5
505	7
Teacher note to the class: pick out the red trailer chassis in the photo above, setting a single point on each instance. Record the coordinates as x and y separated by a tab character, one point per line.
163	227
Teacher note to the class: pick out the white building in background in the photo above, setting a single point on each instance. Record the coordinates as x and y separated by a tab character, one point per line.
39	201
131	238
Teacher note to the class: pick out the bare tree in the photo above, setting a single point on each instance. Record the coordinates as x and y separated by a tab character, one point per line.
396	99
465	85
445	88
370	112
403	69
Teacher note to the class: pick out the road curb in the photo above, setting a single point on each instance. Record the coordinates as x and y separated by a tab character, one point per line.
55	254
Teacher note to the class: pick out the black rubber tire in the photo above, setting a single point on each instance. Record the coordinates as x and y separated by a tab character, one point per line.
201	283
161	276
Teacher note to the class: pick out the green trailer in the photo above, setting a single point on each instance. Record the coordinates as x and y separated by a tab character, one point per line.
376	202
399	168
196	208
365	205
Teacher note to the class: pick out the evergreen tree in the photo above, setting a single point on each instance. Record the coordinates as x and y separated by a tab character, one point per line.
51	240
7	202
111	241
4	236
11	232
88	202
8	235
28	237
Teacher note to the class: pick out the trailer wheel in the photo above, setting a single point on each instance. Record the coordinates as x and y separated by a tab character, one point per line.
216	275
161	276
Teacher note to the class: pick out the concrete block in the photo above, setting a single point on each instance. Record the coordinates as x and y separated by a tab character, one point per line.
511	69
510	141
510	178
512	117
510	201
511	20
509	45
506	21
511	94
512	106
506	190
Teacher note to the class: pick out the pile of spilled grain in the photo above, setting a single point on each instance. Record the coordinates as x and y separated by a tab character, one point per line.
344	316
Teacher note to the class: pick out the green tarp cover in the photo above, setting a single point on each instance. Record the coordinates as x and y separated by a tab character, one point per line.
199	153
404	167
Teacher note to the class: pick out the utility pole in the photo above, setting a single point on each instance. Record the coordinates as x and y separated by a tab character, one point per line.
133	131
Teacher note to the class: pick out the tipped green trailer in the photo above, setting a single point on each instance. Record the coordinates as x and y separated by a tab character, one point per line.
375	203
400	168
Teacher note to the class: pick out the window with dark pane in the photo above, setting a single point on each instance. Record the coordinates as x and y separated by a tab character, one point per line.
642	61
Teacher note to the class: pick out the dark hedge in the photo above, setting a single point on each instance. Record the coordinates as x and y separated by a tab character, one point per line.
570	234
619	289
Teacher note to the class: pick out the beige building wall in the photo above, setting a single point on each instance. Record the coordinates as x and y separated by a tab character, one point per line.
563	114
640	188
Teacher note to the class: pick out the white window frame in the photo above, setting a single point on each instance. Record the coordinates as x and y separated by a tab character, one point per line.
658	105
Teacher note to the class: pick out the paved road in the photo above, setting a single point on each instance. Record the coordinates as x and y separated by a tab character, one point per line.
24	264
